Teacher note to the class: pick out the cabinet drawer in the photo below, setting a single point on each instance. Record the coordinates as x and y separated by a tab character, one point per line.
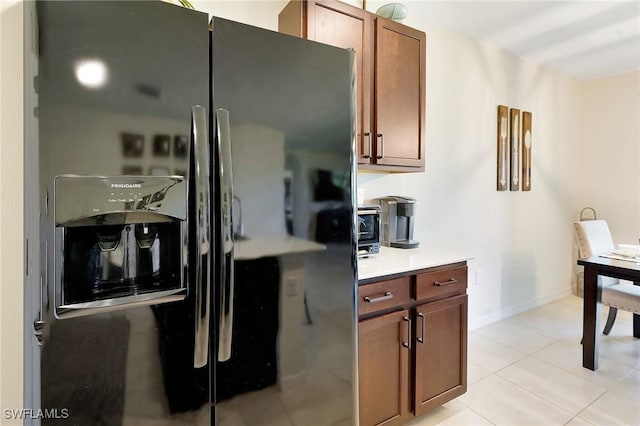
383	295
441	283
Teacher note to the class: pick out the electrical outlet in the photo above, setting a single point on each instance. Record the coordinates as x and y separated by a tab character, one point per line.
477	276
360	196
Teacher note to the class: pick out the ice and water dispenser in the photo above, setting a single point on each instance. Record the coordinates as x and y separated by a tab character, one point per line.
120	242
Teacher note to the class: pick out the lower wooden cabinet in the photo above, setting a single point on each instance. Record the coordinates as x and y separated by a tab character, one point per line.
412	353
441	355
383	369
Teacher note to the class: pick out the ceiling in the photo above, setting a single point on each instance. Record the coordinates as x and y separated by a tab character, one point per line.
584	39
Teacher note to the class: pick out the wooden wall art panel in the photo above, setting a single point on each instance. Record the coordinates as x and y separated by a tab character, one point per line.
514	149
526	150
503	149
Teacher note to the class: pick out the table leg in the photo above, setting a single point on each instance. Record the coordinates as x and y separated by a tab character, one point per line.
590	318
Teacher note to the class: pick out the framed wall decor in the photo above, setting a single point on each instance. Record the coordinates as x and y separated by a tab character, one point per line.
132	144
526	150
161	145
514	149
180	145
503	149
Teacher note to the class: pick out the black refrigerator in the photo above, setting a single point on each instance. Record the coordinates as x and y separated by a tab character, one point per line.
196	229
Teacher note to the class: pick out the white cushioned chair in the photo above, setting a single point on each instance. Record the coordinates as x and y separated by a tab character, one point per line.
593	238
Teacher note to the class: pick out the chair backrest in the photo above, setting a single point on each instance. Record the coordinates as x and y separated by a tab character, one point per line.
593	237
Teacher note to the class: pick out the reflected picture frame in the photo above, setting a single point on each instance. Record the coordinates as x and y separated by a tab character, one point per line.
161	145
132	144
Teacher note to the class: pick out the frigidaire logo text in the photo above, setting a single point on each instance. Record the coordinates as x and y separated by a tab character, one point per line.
126	185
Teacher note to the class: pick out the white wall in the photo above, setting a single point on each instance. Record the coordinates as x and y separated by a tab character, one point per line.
608	158
586	139
522	241
11	211
260	13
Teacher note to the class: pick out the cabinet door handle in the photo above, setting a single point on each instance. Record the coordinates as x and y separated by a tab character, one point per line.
387	296
368	152
449	282
407	344
421	338
381	150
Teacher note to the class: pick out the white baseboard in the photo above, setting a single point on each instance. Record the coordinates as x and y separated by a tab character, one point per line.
517	309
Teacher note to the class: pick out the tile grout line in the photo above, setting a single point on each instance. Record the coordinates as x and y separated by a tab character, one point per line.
545	398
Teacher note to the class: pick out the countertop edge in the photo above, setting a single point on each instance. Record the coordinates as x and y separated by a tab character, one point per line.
391	262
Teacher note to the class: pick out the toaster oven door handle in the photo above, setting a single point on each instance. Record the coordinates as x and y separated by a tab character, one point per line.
361	211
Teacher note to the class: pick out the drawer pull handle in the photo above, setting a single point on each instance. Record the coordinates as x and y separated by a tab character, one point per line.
407	344
421	338
387	296
451	281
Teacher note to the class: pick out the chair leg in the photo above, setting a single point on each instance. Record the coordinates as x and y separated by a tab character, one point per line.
610	320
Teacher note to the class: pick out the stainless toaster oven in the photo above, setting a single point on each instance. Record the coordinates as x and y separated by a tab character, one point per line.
368	230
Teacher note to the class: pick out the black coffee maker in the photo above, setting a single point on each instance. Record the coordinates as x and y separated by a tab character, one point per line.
398	218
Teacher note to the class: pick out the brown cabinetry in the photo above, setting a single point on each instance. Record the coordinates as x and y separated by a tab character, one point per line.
390	78
383	369
412	347
441	355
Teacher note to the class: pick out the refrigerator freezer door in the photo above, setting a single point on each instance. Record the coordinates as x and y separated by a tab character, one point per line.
290	106
117	81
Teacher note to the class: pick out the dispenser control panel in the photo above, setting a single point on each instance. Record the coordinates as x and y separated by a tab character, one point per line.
81	200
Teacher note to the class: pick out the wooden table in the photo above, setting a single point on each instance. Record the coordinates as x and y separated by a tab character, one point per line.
594	266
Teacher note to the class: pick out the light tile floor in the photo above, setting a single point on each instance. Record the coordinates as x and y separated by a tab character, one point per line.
527	370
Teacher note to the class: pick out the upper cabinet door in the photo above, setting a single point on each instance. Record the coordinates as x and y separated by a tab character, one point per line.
400	95
340	25
390	78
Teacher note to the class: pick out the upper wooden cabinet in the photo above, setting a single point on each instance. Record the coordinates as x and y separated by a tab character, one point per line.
390	78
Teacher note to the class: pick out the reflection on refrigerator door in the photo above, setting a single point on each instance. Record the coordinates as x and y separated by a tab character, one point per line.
289	111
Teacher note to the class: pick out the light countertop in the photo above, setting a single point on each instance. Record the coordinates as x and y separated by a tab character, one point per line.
262	246
395	261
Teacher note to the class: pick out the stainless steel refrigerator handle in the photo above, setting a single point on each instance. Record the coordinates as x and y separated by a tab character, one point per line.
203	242
223	130
38	325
